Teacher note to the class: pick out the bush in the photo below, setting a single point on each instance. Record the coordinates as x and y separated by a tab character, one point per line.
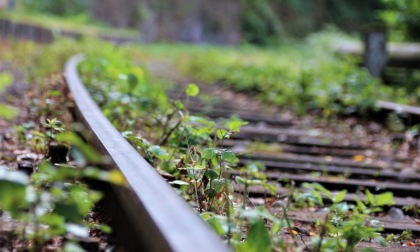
402	16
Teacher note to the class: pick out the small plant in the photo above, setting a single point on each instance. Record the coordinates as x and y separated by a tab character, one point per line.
347	224
53	202
192	150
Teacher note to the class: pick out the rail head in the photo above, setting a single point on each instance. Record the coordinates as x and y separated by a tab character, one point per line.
162	220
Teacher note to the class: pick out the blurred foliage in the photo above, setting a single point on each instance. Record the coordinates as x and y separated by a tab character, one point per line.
261	21
57	7
300	17
302	76
403	18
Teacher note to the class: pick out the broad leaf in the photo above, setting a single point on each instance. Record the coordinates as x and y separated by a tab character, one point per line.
258	238
192	90
385	199
228	156
339	196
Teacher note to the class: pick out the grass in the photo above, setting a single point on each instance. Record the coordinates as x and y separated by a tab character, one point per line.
5	80
8	112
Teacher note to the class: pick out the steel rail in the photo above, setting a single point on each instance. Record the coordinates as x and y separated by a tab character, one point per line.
159	219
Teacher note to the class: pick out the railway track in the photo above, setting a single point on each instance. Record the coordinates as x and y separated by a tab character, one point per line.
150	215
326	158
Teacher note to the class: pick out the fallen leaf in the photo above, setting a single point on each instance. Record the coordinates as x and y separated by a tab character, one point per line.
293	232
358	158
409	244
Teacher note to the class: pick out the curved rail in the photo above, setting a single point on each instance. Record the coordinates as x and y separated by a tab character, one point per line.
158	219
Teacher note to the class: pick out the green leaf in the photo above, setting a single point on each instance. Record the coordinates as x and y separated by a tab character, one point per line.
12	191
209	153
221	133
219	185
132	80
385	199
210	192
240	180
179	105
72	247
228	156
258	238
218	224
319	188
362	207
370	199
257	214
254	182
339	196
54	221
211	174
318	197
192	90
158	151
235	124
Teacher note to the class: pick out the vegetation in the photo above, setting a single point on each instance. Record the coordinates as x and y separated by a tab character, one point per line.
304	76
79	21
59	7
191	149
403	19
260	21
46	195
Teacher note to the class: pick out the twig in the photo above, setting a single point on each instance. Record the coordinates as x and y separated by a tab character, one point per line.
289	226
166	137
322	233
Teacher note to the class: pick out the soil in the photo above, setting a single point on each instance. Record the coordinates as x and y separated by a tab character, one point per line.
16	155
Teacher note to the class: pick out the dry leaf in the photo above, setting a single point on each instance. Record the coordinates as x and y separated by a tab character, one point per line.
409	244
293	232
358	158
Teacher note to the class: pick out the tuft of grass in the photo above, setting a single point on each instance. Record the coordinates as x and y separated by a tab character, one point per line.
8	112
5	80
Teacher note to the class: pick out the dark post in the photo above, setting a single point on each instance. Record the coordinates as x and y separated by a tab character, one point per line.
375	55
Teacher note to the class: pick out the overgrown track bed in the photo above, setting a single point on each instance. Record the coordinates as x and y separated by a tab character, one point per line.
148	215
292	151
